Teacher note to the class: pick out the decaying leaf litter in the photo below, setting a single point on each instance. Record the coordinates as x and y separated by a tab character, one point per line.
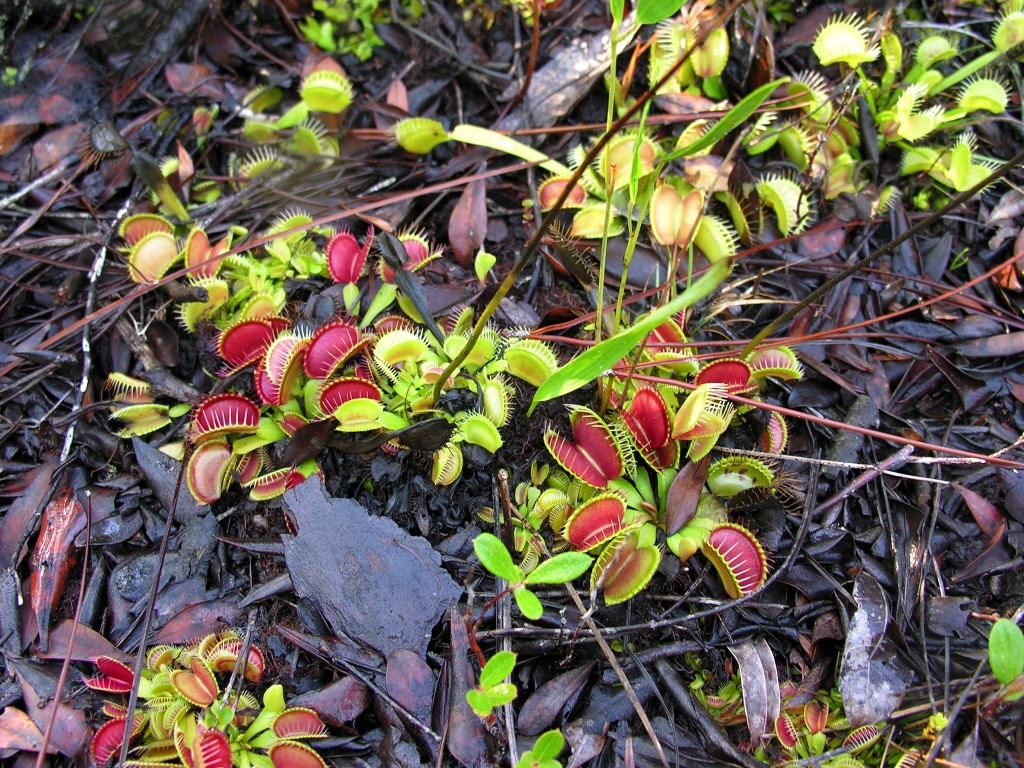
888	562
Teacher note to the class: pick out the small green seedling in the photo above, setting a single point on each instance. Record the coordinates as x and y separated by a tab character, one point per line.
483	264
544	751
493	690
1006	651
560	569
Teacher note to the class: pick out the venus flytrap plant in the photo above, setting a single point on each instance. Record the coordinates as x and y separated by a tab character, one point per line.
809	732
915	105
368	372
420	135
184	716
958	168
615	511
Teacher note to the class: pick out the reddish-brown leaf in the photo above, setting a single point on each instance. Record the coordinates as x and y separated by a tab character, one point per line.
986	514
199	620
822	241
54	109
28	491
397	95
57	144
973	392
410	682
70	735
540	710
467	226
339	703
683	495
466	738
88	644
18	122
185	166
1005	345
760	677
195	79
995	555
53	558
17	731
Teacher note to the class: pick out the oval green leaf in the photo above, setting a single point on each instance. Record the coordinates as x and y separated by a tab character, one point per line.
1006	651
497	669
500	694
548	745
653	11
495	557
529	604
560	569
479	702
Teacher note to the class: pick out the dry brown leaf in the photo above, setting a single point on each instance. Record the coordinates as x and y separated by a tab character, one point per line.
467	226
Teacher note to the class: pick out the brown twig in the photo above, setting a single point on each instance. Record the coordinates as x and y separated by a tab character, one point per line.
163	381
140	655
895	461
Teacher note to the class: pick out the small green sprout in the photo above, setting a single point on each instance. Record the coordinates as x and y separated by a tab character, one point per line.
560	569
483	264
493	690
544	751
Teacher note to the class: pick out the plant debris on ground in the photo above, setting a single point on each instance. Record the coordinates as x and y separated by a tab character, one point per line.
530	383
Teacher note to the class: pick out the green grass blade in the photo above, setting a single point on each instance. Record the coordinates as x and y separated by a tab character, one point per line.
733	118
587	367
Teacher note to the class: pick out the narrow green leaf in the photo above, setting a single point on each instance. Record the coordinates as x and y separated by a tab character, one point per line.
560	569
548	746
495	557
587	367
499	142
497	669
479	702
529	604
733	118
653	11
1006	651
500	694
